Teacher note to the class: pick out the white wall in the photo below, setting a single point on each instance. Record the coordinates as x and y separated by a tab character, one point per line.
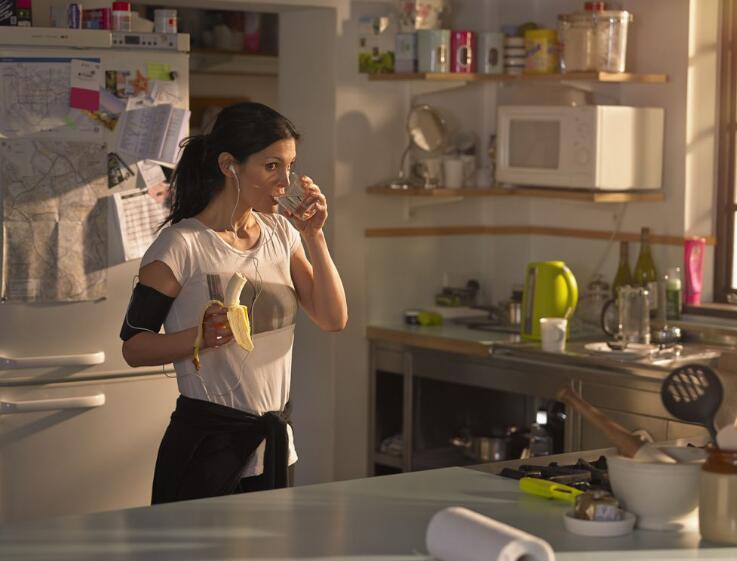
385	275
307	77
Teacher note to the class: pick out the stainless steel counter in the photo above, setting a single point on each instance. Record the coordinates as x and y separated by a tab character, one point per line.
627	391
461	339
380	518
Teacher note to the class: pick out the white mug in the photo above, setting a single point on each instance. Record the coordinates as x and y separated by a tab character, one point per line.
453	173
553	334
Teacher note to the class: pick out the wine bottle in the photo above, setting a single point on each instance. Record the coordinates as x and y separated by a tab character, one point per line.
646	275
623	277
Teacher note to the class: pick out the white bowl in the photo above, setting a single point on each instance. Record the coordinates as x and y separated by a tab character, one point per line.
661	495
599	528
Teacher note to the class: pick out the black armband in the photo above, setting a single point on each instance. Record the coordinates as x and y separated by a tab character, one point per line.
147	311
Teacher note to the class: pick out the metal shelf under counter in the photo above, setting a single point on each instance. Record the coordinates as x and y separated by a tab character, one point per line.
404	358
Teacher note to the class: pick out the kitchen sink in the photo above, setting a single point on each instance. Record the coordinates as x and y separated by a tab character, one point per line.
492	326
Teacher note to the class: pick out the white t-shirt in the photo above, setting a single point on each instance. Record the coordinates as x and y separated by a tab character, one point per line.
255	382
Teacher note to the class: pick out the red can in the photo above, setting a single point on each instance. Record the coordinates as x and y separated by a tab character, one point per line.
463	51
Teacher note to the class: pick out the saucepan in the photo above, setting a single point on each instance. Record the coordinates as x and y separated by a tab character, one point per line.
482	448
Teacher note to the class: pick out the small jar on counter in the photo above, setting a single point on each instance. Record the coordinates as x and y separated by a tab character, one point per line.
718	497
121	16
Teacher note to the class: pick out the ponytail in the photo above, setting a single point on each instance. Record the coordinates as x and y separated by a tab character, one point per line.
195	180
240	130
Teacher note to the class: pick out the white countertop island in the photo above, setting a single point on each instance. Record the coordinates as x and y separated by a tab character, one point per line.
379	518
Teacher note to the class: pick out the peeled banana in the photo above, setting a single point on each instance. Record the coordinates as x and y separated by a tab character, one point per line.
237	317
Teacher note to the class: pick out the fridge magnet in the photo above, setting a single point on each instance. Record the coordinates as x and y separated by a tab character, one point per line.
139	83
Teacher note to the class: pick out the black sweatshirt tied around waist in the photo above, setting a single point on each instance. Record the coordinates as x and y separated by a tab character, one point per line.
206	446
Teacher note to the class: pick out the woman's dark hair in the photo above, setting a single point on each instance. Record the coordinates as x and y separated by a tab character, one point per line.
241	130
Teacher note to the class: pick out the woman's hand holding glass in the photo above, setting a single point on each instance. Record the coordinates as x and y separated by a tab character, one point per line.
215	327
310	211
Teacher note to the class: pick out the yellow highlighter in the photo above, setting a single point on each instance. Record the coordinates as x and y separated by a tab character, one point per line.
548	489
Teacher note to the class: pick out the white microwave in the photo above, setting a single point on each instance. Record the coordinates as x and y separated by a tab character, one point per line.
606	147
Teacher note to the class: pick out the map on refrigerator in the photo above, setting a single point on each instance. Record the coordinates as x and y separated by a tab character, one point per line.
34	100
54	220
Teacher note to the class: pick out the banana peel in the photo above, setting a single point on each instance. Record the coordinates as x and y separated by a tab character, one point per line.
237	318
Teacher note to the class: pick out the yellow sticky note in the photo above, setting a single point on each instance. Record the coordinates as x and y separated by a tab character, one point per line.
158	71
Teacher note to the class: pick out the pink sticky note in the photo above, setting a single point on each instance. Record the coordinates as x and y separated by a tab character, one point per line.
85	84
84	99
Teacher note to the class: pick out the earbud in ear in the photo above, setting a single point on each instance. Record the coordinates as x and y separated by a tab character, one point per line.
232	169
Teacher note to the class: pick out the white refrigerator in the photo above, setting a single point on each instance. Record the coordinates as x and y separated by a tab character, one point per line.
79	429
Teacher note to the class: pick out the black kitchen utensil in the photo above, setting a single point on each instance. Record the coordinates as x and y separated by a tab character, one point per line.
693	393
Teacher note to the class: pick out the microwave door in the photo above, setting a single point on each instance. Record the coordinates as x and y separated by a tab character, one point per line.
532	151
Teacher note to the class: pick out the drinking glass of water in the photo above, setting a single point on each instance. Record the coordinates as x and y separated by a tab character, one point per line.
296	200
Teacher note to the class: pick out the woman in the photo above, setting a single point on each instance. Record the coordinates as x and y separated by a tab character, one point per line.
229	431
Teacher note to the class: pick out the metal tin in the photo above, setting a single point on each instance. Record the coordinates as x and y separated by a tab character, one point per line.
462	51
74	16
433	50
405	53
490	53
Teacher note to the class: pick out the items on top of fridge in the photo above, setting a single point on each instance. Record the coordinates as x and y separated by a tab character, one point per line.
121	16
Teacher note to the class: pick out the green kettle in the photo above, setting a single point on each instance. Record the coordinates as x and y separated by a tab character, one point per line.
550	291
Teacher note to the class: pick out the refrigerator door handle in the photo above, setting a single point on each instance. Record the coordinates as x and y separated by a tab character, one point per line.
82	359
82	402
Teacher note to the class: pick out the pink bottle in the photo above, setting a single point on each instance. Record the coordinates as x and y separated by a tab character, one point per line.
693	267
462	51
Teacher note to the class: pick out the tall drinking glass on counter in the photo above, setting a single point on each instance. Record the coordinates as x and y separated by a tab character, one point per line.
633	324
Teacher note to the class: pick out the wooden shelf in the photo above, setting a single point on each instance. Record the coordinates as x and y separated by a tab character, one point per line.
532	192
219	62
607	77
522	230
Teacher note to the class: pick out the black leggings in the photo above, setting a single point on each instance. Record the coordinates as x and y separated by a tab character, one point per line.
258	482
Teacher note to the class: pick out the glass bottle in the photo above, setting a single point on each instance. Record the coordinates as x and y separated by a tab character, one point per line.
541	443
624	274
646	275
673	298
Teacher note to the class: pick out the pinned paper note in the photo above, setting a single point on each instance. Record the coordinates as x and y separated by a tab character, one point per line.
150	173
139	216
152	133
85	85
165	92
158	71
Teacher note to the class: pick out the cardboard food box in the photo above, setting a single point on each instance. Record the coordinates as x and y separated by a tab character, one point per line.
376	42
15	13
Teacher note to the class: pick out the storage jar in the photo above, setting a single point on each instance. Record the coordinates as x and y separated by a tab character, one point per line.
433	46
718	497
577	42
541	51
165	21
611	39
490	52
462	51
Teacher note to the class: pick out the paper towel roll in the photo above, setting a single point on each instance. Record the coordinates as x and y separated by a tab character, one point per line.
459	534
